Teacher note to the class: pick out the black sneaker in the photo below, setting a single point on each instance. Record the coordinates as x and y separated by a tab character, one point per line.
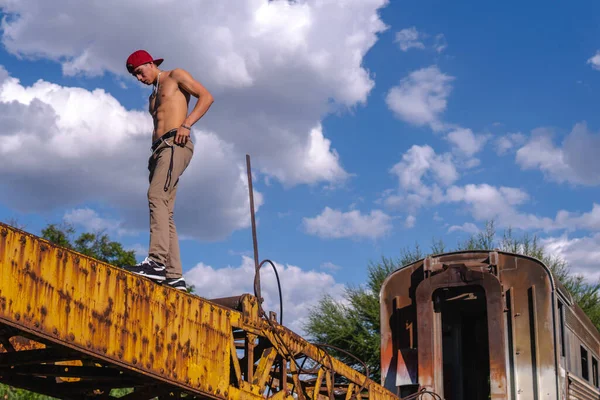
148	268
176	283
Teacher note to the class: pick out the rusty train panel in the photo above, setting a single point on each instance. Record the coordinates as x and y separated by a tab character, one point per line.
480	324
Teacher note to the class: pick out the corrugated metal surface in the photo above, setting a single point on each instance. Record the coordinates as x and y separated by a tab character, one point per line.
581	390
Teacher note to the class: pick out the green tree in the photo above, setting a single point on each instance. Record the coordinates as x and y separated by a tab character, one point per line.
353	324
97	245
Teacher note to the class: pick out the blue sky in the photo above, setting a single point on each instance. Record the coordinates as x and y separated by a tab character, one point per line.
372	126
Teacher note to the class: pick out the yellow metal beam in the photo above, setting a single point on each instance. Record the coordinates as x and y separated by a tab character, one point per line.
154	335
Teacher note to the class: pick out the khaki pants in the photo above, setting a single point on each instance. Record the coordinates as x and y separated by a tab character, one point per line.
164	244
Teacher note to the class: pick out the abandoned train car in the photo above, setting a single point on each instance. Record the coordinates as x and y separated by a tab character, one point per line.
485	325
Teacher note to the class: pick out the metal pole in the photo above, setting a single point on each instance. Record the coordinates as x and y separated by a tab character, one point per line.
257	292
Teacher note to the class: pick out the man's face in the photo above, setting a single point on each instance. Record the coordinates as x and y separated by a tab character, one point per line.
144	73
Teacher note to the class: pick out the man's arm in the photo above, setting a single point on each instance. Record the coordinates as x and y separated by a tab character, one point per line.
205	99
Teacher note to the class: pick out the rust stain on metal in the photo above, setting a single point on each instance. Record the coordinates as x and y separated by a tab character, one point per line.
153	334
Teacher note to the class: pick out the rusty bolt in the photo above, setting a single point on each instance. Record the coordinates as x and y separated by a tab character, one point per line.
227	313
134	360
88	344
175	375
23	240
189	301
220	311
162	370
226	393
36	324
210	388
120	355
4	232
218	390
108	272
17	316
55	331
71	337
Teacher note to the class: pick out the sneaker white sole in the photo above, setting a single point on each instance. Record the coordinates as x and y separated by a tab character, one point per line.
159	278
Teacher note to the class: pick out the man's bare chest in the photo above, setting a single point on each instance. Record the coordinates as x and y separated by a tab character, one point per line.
162	95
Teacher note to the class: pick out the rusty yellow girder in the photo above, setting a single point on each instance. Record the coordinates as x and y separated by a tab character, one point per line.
73	327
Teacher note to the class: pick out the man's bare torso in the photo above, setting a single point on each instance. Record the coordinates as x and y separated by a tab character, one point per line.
169	106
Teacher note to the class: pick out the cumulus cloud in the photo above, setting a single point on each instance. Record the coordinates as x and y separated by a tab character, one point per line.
466	142
410	221
420	98
409	38
487	202
301	289
335	224
90	221
575	162
275	67
594	61
508	142
422	174
272	73
582	253
64	146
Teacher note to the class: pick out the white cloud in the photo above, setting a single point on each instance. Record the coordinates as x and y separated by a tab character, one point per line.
440	43
582	253
421	175
410	221
90	221
64	146
420	98
301	289
275	67
466	142
486	202
334	224
508	142
330	266
468	227
595	60
575	162
409	38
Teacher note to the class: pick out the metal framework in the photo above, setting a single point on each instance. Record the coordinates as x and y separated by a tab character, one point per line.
72	327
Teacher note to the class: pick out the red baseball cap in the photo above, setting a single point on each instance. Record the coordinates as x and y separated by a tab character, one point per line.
140	57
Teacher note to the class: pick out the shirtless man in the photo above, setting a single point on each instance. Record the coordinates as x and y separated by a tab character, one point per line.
172	150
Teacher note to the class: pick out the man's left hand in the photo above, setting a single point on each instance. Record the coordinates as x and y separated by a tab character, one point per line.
182	136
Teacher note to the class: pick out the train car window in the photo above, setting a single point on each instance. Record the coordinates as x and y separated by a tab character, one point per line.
561	314
595	371
584	364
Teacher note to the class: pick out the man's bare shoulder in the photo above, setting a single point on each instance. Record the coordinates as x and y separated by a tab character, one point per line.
180	74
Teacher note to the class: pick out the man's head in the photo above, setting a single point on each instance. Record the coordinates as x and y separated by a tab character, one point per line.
141	65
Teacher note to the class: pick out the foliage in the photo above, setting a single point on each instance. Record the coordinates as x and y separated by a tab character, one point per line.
11	393
96	245
352	324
